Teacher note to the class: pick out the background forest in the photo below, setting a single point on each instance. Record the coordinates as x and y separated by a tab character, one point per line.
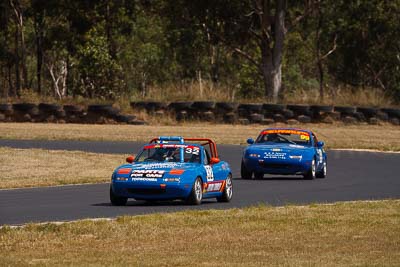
325	51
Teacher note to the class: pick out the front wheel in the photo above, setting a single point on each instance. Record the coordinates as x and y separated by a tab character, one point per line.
310	175
228	190
196	194
117	200
322	173
244	173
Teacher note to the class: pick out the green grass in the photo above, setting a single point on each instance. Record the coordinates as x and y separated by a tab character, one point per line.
39	167
342	234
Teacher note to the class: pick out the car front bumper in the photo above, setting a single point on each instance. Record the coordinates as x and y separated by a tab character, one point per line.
156	191
269	166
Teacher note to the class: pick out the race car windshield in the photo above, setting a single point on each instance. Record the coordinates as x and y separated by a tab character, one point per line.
285	136
162	153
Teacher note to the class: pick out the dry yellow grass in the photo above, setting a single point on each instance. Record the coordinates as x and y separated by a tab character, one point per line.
343	234
37	167
382	137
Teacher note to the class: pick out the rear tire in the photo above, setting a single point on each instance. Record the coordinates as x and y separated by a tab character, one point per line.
310	175
117	200
322	173
228	190
258	175
196	194
244	173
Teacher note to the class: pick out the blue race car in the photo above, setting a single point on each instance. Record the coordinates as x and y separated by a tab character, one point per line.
284	151
173	168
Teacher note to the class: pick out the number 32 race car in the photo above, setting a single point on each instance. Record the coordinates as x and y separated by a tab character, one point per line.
284	151
173	168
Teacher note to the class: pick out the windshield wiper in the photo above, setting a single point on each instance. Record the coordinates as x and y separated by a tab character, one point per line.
284	138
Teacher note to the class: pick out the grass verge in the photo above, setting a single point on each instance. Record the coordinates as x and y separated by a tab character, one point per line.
342	234
382	137
37	167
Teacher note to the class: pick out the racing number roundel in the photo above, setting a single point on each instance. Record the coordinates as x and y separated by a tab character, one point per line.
210	174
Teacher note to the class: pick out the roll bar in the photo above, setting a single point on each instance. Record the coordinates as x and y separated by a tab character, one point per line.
181	140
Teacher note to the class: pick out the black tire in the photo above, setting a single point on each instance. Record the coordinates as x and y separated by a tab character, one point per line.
227	106
392	112
178	106
45	107
23	107
273	107
256	118
345	110
139	104
73	108
300	109
203	105
310	175
383	116
279	118
124	118
99	107
287	113
153	106
360	116
5	107
230	117
251	108
368	112
320	108
228	190
117	200
244	173
196	194
258	175
304	119
322	173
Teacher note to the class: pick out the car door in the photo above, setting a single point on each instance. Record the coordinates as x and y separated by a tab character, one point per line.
214	173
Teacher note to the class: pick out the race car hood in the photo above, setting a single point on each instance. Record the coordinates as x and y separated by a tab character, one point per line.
156	168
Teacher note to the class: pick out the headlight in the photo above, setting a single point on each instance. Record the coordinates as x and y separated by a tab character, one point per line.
254	155
296	157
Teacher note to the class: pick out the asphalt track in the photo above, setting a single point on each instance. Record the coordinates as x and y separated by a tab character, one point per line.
351	176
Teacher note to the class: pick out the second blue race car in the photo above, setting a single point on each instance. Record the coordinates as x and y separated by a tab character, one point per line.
284	151
173	168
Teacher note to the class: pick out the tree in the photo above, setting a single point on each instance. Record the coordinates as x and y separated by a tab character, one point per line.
256	30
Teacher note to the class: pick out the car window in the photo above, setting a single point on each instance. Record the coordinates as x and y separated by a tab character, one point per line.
206	157
284	136
315	139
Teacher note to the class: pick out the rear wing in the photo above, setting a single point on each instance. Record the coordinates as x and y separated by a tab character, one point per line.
201	141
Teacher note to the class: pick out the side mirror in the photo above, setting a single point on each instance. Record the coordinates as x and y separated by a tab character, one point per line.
214	160
130	159
320	144
250	141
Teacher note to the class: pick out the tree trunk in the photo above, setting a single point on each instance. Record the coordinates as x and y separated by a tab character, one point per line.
319	57
272	75
39	49
11	90
17	75
23	57
271	57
